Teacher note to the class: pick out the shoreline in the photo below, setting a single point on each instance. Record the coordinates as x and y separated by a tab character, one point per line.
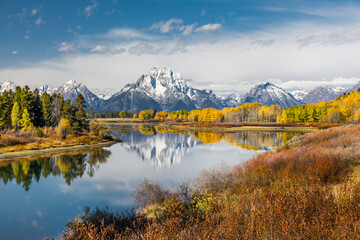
54	150
219	127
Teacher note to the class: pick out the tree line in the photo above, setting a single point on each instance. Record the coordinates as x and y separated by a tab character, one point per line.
26	110
345	108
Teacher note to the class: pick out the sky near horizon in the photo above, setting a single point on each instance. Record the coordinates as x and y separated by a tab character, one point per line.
224	45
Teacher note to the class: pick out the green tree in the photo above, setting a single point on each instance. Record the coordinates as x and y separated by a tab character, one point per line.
25	122
15	115
122	114
46	108
81	122
35	110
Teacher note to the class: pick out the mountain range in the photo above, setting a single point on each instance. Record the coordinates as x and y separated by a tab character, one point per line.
164	90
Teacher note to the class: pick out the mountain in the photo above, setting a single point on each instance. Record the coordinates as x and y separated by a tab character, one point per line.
161	89
232	100
104	93
71	89
299	94
356	87
46	88
7	86
268	94
323	93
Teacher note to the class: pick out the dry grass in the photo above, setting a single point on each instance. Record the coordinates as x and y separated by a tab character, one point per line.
20	141
311	191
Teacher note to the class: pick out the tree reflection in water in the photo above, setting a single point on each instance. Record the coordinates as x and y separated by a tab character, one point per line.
67	166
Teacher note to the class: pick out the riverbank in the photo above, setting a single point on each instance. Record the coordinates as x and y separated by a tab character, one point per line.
221	127
15	145
308	189
49	151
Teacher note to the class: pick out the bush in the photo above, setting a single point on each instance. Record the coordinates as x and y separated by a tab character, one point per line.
39	132
99	129
146	193
64	128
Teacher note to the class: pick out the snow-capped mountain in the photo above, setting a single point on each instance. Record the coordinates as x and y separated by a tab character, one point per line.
104	94
232	100
7	86
71	89
356	87
268	94
299	94
323	93
46	88
161	89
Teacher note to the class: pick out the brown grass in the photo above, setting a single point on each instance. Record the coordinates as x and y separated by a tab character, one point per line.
20	141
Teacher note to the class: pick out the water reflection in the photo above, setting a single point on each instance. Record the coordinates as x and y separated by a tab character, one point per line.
160	147
163	147
68	167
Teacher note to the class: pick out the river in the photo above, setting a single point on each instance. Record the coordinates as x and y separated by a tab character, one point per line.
39	196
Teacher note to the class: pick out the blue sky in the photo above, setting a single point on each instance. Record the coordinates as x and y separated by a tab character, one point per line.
225	45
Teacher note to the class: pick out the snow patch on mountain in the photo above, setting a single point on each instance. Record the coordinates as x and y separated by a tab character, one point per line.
71	89
161	89
7	86
323	93
268	94
299	94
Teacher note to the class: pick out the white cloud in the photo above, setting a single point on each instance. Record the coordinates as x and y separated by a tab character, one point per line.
104	49
188	29
168	26
26	37
209	28
225	63
78	27
126	33
39	21
14	52
99	48
66	47
89	10
34	11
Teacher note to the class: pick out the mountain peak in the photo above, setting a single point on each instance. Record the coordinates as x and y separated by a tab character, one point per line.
164	90
269	94
323	93
7	86
71	82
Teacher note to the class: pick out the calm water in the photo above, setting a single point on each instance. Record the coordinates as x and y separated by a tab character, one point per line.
38	197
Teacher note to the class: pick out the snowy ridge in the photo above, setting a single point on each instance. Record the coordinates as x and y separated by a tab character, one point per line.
299	94
71	89
268	94
161	89
323	93
7	86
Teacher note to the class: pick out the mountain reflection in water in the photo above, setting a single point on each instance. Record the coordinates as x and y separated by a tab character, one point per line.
164	147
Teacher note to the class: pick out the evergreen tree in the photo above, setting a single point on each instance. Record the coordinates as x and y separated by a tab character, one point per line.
80	114
15	115
46	108
55	109
6	105
25	98
25	122
36	113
